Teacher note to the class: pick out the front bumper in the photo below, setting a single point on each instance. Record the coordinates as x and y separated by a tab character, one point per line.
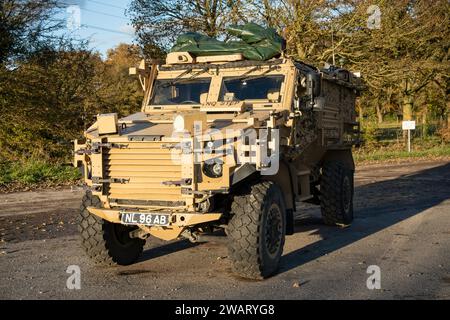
179	221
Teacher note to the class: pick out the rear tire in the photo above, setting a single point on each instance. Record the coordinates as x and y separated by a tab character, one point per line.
336	193
106	243
256	230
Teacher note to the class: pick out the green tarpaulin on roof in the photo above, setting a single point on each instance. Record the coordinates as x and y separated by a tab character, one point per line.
256	43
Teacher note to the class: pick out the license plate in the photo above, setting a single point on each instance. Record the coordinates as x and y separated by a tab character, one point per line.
148	219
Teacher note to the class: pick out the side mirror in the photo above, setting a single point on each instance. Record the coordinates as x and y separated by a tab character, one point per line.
313	85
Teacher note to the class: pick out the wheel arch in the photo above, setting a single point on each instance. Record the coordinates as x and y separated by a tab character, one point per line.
345	156
285	180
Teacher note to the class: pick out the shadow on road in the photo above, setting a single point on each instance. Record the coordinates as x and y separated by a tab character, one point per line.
377	206
166	248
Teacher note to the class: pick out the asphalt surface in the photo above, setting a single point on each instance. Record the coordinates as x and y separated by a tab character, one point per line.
402	225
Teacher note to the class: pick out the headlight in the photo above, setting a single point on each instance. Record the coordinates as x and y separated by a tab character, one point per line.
217	169
213	170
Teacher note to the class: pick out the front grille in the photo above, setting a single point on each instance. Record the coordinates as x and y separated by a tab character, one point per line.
145	165
149	203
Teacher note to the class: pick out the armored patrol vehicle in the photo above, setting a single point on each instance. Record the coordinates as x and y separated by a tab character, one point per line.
225	146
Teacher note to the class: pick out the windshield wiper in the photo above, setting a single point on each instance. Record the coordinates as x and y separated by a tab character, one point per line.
271	68
179	78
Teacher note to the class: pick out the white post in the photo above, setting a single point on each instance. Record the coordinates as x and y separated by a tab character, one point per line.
409	125
409	141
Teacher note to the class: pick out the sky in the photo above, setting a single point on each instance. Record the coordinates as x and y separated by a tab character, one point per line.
102	22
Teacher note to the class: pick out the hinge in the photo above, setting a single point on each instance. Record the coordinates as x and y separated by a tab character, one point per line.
96	148
171	146
87	151
182	182
110	180
108	145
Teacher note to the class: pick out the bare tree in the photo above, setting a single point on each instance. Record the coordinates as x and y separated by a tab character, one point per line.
26	26
159	22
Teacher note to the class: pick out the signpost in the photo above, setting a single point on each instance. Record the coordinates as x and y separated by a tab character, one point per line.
409	125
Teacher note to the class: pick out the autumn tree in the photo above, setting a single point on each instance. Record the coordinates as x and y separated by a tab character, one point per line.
119	92
46	102
403	56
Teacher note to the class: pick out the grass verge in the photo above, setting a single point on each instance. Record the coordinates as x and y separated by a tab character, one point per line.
30	173
384	154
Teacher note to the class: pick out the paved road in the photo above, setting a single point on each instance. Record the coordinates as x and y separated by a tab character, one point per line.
402	225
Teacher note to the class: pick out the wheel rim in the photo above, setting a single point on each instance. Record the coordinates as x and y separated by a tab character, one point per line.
346	194
274	232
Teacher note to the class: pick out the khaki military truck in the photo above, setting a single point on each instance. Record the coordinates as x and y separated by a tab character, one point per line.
224	148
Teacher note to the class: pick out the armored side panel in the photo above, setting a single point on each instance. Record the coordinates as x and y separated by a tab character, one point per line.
336	111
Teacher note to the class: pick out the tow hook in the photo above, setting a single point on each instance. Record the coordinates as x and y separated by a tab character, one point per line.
139	233
195	237
191	236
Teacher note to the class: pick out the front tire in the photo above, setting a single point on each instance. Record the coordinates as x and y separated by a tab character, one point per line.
336	193
106	243
256	230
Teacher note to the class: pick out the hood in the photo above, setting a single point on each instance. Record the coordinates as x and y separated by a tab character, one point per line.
153	127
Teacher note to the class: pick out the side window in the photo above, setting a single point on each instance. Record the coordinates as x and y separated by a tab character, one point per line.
302	98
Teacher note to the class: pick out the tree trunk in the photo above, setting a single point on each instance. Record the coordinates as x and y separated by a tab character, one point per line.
424	123
407	108
448	114
407	102
360	111
379	114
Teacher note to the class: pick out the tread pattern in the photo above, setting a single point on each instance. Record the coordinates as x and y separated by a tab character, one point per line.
96	238
331	194
244	231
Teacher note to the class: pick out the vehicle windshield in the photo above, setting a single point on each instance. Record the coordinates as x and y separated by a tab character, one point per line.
169	92
257	88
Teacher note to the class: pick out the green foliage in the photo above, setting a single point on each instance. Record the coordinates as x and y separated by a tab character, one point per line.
394	153
386	141
31	171
48	100
120	92
369	133
444	134
44	102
